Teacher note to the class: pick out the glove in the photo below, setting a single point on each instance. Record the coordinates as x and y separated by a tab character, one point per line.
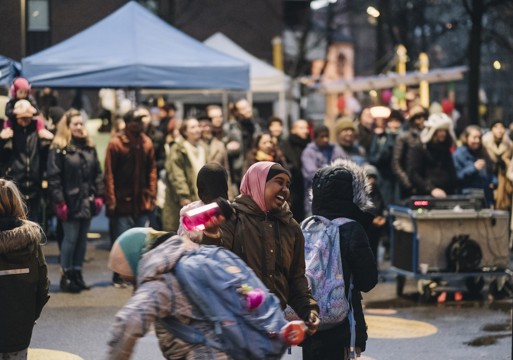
313	322
98	203
61	210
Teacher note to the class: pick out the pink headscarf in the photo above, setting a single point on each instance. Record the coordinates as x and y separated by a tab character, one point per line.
253	182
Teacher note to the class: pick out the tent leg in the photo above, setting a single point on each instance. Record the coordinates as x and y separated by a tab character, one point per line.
225	105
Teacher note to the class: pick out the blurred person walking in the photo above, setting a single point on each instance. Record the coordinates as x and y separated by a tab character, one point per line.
318	154
215	114
293	148
264	234
275	128
474	167
264	149
365	129
241	131
500	149
403	144
23	274
185	159
130	179
76	187
430	164
24	156
380	155
345	130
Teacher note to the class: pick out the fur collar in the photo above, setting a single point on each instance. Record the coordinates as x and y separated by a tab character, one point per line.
360	185
19	237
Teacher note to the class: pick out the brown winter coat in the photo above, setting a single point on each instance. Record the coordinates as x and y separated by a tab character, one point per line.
500	154
130	175
274	247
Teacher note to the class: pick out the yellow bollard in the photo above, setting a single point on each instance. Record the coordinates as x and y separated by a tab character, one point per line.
424	85
402	58
277	53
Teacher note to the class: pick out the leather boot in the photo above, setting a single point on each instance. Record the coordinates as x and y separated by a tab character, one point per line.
68	282
80	280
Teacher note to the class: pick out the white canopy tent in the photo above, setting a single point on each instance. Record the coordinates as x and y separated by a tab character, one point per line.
264	78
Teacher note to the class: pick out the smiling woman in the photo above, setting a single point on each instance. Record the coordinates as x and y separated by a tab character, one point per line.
264	234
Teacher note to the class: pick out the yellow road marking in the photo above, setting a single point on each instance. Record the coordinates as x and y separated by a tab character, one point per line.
46	354
384	327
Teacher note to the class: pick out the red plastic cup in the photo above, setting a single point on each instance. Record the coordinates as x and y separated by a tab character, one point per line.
294	332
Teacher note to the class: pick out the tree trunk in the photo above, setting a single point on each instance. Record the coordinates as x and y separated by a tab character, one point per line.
474	62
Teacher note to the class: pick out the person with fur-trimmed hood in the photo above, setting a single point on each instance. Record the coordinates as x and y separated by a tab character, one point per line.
23	274
342	190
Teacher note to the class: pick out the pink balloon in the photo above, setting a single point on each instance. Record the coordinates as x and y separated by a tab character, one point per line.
386	96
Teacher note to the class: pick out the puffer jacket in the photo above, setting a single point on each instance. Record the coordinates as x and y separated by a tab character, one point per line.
342	191
160	295
273	246
23	282
75	177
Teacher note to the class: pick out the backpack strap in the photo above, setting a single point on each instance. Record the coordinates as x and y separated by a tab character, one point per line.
350	315
352	321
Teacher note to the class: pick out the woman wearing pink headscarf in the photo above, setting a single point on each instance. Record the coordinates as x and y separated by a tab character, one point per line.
264	234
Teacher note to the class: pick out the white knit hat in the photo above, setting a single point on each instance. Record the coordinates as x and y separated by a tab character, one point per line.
436	122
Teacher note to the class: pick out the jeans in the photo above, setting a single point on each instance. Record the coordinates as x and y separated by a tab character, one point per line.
120	224
74	243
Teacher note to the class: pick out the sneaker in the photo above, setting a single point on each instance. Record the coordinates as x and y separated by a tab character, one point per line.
118	282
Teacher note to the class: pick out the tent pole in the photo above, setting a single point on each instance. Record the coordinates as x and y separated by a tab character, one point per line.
249	96
225	105
282	110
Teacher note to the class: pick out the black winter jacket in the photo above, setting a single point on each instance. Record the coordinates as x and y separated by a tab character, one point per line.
343	193
23	282
24	159
292	149
431	166
75	177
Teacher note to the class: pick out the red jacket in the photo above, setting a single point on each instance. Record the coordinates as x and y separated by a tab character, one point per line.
130	175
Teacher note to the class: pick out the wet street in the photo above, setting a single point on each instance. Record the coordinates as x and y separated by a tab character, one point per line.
76	327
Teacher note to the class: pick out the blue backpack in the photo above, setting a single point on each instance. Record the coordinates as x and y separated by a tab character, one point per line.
325	273
212	278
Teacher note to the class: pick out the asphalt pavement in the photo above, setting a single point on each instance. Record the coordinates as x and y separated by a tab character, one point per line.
76	326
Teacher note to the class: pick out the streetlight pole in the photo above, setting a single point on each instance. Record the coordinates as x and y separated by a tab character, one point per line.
23	25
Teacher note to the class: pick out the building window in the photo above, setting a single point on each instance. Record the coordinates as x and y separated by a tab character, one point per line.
38	15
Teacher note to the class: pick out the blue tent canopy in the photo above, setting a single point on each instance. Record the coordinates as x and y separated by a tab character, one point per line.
134	48
9	69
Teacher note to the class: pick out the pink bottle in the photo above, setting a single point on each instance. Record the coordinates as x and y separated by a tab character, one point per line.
195	219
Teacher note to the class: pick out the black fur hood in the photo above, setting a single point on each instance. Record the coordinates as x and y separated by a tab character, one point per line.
17	234
341	189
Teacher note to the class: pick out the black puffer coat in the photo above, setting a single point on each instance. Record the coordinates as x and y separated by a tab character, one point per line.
342	191
75	177
23	282
24	159
431	166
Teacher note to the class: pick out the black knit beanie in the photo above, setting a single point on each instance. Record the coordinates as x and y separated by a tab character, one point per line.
212	182
275	170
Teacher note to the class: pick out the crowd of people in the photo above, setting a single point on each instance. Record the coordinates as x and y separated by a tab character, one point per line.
158	166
